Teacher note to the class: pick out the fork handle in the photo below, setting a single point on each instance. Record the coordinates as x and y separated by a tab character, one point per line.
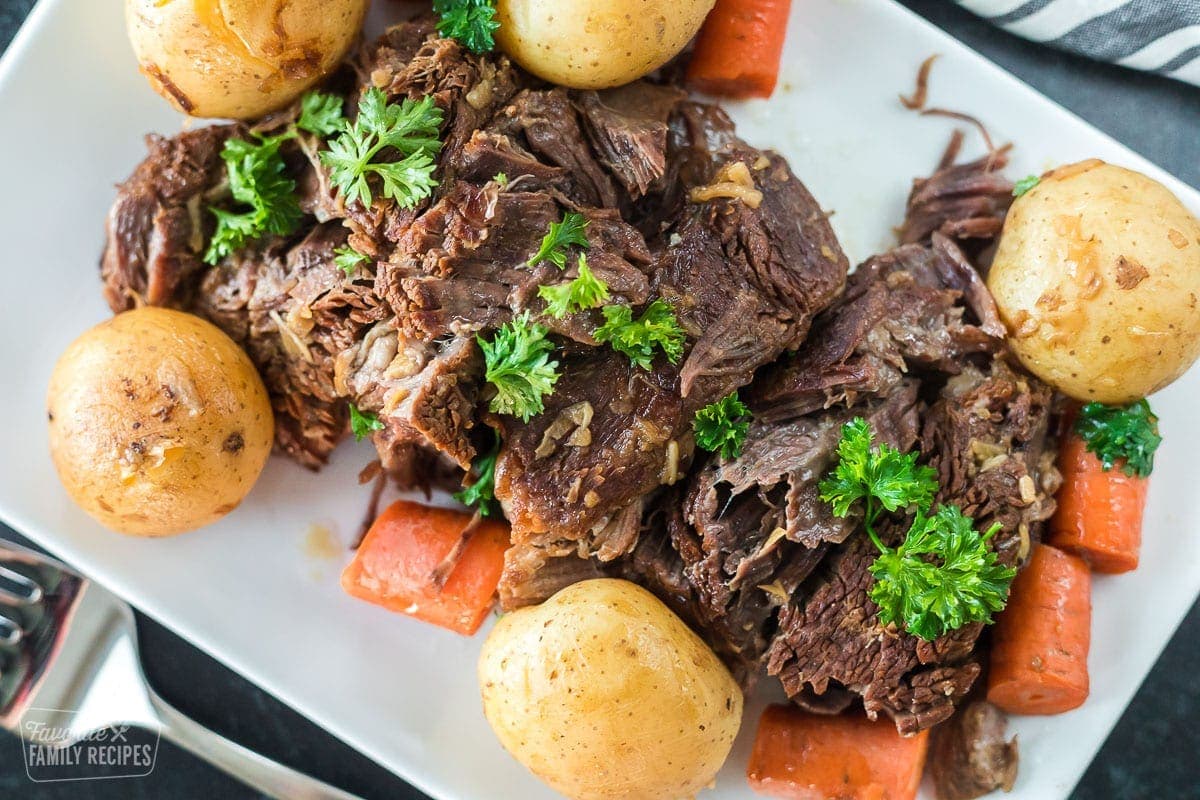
267	776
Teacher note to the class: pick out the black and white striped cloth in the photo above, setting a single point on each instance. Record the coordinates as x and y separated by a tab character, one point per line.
1161	36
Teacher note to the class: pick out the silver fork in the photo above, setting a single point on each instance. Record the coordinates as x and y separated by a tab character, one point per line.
67	643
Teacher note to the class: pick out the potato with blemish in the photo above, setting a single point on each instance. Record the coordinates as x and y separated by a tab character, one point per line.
603	693
1097	277
158	422
596	44
239	58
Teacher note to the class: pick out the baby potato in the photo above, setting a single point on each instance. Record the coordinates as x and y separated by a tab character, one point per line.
595	44
603	693
239	58
158	422
1097	276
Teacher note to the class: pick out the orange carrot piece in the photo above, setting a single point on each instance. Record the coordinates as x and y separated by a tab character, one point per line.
738	50
396	563
1099	515
802	756
1040	642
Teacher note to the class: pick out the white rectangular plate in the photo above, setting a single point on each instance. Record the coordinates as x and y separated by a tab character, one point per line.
256	592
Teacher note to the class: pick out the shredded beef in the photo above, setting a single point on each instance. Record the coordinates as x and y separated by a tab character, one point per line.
969	756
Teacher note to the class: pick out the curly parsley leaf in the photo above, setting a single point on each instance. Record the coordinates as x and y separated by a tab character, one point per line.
656	329
571	231
409	127
943	576
321	114
481	494
501	179
1025	184
1118	434
722	426
257	180
518	365
349	260
362	423
882	476
584	292
471	22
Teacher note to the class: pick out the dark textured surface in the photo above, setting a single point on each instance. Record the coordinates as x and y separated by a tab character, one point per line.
1151	754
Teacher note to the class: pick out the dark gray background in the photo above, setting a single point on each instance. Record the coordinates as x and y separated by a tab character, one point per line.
1154	751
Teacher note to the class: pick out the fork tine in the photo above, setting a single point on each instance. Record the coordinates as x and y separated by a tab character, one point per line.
17	589
10	632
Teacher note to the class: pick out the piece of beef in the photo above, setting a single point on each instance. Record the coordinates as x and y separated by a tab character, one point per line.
158	226
986	437
969	756
462	266
627	127
913	310
745	283
831	650
962	201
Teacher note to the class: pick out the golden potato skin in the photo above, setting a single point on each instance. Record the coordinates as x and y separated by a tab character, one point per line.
603	693
1097	277
158	422
239	58
595	44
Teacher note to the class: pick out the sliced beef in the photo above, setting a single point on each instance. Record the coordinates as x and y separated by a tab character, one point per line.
745	283
969	756
158	227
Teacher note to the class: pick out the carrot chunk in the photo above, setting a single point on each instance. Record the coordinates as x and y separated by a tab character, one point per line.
802	756
1099	515
400	564
1040	642
738	50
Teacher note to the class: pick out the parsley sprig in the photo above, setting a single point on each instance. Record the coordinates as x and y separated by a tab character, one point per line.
363	423
482	492
656	329
1117	434
349	259
943	575
409	127
1025	184
518	365
257	179
562	235
258	182
471	22
584	292
722	426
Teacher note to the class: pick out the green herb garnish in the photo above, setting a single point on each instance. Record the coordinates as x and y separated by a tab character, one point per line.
584	292
257	180
571	231
321	114
722	426
943	575
349	260
1025	184
500	178
1118	434
362	423
409	127
656	329
518	365
482	492
470	22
